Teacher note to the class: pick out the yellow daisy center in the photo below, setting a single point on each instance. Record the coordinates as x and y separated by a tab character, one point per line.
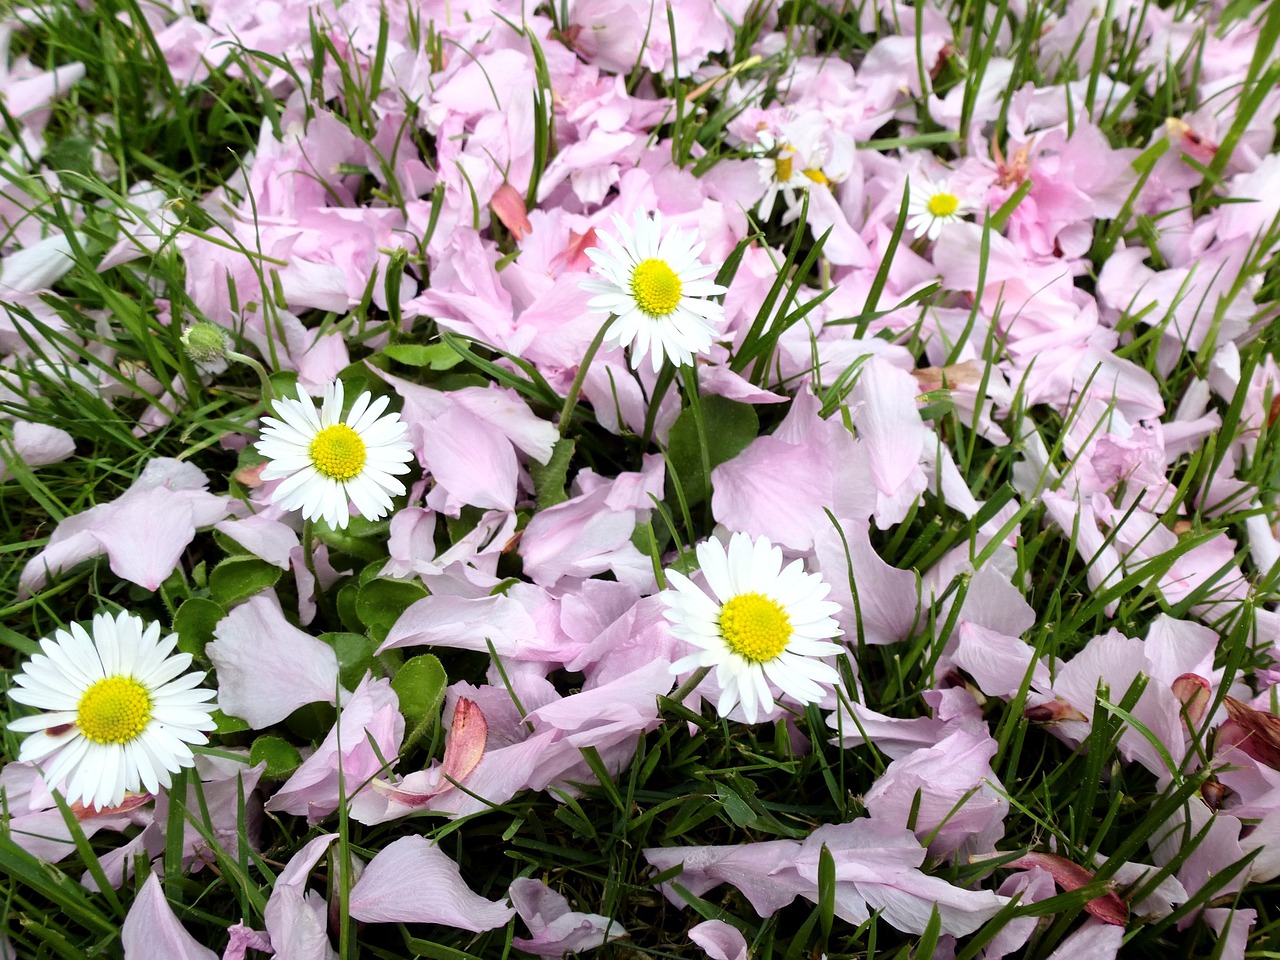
816	175
943	204
655	287
782	168
114	710
755	626
338	452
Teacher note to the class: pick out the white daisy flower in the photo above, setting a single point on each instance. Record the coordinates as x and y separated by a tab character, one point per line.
656	286
932	205
762	625
121	710
328	463
784	171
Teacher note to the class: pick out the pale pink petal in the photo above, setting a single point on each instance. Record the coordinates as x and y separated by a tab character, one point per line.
262	536
296	918
153	932
888	599
1093	941
471	460
36	445
555	929
267	667
1233	924
720	940
447	621
883	405
145	534
394	889
998	664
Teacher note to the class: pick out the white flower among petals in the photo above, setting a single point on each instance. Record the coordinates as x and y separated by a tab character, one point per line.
764	625
931	206
784	170
655	285
121	710
328	463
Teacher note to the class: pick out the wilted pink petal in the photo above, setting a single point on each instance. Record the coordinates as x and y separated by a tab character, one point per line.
1108	908
509	206
1193	692
241	939
720	940
152	932
465	745
556	930
953	791
267	667
1054	711
367	736
412	880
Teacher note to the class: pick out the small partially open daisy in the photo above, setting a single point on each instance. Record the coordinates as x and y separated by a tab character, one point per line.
121	710
764	624
931	206
655	285
328	463
784	171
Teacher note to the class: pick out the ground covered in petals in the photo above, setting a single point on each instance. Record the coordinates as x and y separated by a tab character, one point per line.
485	479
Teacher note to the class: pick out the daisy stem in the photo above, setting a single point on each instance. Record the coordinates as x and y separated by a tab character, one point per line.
690	376
575	388
308	552
688	686
267	393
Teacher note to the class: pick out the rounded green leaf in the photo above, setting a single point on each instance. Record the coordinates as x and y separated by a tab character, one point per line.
194	624
420	686
381	601
281	757
730	426
355	656
239	578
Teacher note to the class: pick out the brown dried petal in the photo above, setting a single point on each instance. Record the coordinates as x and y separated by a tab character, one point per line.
1261	732
1108	908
